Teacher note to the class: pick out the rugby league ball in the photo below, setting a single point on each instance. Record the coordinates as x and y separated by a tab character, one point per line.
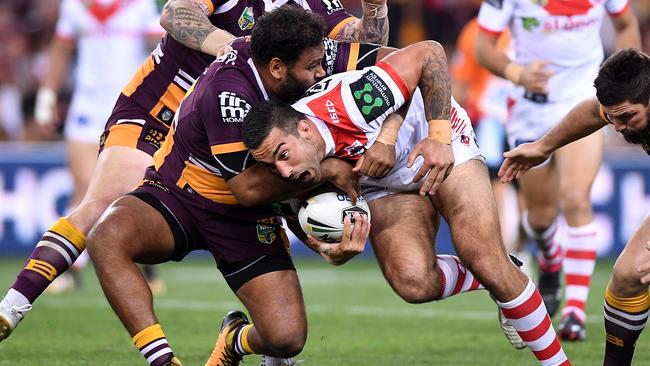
322	215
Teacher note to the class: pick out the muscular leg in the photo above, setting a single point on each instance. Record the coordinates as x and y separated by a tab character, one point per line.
118	170
275	304
626	300
578	164
466	201
132	231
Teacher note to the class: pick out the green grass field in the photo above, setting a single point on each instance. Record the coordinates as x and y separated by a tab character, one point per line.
354	319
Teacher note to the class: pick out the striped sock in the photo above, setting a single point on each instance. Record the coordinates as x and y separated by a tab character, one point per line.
625	319
60	246
578	265
153	345
455	277
240	338
528	316
549	255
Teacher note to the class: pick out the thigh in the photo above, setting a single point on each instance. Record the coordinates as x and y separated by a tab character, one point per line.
118	170
402	233
578	162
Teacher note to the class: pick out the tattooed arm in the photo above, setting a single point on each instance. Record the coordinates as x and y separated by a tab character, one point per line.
424	65
371	28
187	22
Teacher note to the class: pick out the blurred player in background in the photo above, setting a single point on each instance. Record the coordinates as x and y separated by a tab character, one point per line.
622	100
558	50
111	38
198	30
484	96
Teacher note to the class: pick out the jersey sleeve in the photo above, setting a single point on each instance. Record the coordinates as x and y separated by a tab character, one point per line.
341	56
495	15
65	24
616	7
334	13
223	110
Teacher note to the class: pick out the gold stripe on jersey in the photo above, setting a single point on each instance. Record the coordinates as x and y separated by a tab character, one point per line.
635	304
166	148
145	69
124	134
206	184
170	99
354	57
209	5
335	31
228	148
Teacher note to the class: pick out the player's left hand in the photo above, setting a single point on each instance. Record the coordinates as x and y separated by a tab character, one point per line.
377	161
520	159
438	162
342	175
352	243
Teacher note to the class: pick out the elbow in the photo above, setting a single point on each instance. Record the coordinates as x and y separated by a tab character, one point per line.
247	199
436	50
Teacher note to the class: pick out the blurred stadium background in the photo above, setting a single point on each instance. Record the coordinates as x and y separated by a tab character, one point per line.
35	187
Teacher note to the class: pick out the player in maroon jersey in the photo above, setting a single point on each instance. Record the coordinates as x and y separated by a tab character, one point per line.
342	116
203	176
198	30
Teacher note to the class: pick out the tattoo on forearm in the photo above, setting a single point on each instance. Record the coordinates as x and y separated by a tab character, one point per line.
435	85
366	31
189	24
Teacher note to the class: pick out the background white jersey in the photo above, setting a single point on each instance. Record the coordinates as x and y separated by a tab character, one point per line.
110	37
564	32
349	109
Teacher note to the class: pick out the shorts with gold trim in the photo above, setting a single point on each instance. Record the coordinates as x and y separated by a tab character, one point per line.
243	248
131	126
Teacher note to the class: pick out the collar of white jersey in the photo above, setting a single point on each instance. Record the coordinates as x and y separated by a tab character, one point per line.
327	135
251	64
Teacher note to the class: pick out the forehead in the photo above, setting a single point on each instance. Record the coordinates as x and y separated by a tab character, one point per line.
311	53
622	108
266	151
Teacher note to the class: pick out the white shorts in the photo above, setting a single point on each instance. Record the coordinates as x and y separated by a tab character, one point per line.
529	120
413	130
87	116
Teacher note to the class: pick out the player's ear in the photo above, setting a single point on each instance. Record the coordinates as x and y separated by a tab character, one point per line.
277	68
304	129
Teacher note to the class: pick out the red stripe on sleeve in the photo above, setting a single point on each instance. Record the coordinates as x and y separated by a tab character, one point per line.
398	80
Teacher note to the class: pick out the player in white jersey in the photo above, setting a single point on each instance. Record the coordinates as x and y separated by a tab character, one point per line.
343	116
111	38
558	50
623	100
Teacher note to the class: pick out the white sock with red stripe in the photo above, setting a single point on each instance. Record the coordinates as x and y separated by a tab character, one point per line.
528	316
456	278
578	265
549	255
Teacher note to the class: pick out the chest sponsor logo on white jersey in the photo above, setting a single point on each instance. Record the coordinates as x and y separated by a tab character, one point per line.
233	108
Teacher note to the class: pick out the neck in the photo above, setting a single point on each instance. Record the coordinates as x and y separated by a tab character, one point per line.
271	84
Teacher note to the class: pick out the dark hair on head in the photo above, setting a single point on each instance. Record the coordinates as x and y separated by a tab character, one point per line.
285	33
261	119
624	76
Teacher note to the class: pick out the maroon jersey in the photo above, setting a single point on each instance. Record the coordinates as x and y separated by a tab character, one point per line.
204	147
164	78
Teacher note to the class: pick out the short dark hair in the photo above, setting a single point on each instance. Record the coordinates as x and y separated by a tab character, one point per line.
624	76
265	115
285	33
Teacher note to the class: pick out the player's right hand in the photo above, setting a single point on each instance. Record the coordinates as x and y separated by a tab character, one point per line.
438	162
352	242
377	161
534	77
45	107
342	175
520	159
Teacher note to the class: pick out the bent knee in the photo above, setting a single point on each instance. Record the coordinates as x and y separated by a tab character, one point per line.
417	289
626	281
287	345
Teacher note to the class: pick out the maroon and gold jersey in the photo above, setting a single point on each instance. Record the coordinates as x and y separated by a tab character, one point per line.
204	147
165	76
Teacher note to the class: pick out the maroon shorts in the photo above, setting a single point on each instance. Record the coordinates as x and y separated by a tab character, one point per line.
258	245
131	126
